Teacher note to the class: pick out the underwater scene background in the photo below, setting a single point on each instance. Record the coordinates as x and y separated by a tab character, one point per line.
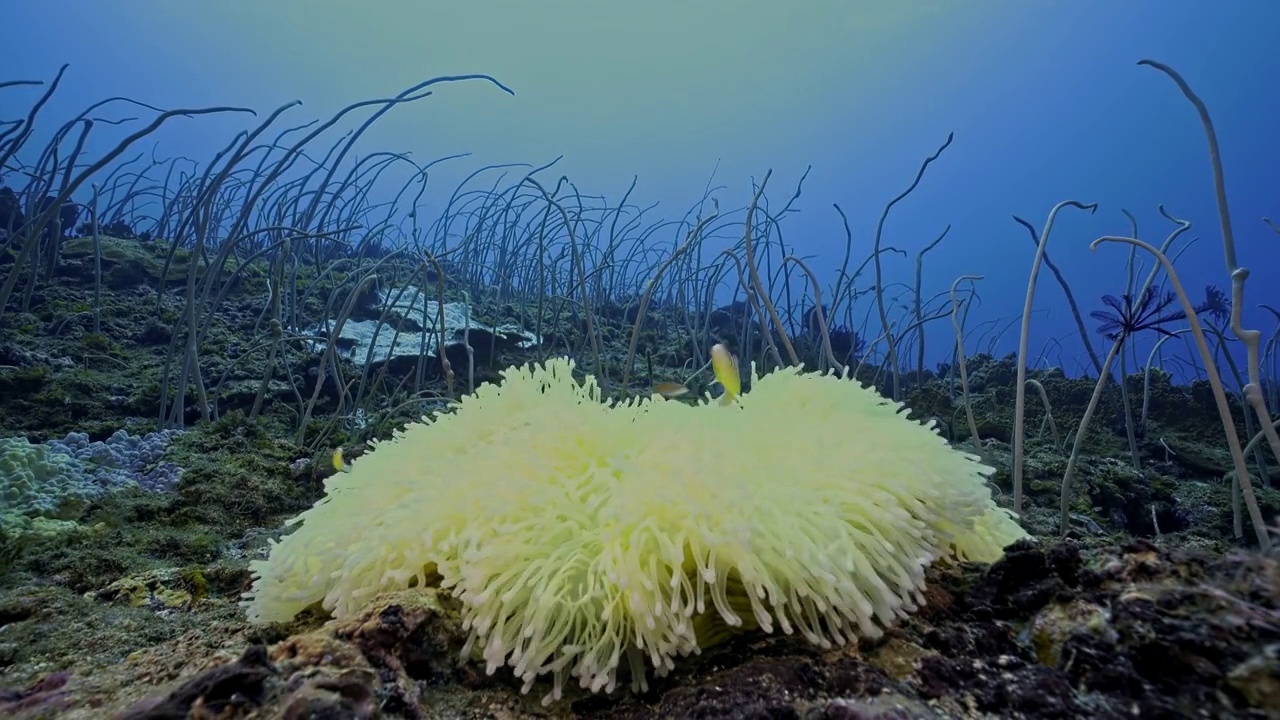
501	359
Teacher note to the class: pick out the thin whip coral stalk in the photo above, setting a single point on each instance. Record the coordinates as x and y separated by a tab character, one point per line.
1253	443
446	368
1215	381
818	314
97	263
1020	396
23	128
325	359
1048	411
917	307
964	371
1270	356
1146	374
1064	501
275	326
754	272
694	234
753	310
884	316
581	273
1250	338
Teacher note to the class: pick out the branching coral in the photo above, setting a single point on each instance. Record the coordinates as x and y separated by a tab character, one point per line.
578	534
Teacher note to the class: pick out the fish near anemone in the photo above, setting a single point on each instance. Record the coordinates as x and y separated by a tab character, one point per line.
725	368
594	540
670	390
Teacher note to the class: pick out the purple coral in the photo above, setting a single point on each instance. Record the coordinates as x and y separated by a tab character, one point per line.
123	459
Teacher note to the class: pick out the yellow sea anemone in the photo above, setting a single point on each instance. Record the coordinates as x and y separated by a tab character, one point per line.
577	534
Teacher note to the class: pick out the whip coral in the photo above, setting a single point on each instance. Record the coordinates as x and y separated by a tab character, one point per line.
579	535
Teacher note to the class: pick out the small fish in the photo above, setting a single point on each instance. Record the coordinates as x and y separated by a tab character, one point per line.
726	370
670	390
338	463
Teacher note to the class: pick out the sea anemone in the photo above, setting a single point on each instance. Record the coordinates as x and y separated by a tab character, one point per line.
577	534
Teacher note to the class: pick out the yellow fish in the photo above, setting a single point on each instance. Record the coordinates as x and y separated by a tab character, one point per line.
726	370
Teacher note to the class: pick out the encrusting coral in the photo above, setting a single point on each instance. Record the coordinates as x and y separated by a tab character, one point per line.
577	533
